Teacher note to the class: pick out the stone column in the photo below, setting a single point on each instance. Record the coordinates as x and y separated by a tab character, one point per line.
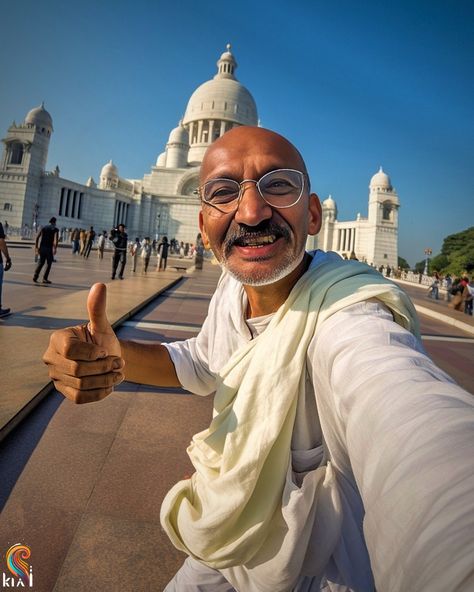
211	131
222	128
191	129
199	136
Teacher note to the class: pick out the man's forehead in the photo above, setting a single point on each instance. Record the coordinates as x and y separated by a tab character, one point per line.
249	148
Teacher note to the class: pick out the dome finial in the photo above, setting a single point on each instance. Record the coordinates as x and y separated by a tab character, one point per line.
228	46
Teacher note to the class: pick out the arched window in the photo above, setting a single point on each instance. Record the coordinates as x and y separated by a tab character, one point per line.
387	210
8	207
17	152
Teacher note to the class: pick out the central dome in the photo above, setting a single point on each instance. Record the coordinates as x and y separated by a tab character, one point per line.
217	106
222	99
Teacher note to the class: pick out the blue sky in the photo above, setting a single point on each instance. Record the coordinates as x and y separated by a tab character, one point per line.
354	85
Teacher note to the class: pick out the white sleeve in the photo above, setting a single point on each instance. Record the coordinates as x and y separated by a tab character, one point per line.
406	432
190	359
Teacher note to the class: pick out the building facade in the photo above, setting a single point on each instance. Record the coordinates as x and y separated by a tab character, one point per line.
164	201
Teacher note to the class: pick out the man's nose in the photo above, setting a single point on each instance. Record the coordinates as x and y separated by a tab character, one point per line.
252	208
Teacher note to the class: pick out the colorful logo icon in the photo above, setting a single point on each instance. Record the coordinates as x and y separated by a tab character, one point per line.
17	564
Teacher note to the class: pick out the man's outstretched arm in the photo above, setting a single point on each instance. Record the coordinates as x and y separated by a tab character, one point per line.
87	361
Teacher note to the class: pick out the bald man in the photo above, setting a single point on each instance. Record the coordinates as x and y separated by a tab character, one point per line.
337	457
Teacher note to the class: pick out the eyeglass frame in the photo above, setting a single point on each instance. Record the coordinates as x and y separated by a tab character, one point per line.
198	191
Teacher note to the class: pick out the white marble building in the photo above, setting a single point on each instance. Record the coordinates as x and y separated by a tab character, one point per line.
163	202
374	238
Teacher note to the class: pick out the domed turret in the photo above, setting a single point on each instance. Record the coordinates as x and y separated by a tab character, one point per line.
109	170
329	203
161	160
226	65
217	106
109	176
40	118
329	209
177	147
179	135
380	181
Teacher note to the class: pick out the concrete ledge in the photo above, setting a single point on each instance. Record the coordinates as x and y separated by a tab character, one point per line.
444	318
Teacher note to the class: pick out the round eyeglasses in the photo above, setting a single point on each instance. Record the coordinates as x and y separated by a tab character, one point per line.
281	188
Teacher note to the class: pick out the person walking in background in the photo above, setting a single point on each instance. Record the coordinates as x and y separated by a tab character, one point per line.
134	252
82	241
46	245
75	236
120	240
146	253
3	267
433	290
101	244
163	249
448	283
90	236
467	295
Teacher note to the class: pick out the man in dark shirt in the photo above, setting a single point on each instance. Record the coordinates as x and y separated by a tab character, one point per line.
90	236
163	248
46	245
3	267
120	239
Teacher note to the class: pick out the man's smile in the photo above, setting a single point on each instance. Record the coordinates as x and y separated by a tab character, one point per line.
243	238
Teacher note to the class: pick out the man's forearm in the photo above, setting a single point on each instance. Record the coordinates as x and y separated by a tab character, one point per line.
148	363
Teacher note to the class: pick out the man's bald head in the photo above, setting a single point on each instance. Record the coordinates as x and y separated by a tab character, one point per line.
232	145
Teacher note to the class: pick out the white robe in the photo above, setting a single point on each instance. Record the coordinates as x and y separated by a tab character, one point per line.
400	436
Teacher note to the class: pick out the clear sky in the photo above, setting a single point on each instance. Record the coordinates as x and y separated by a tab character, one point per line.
354	85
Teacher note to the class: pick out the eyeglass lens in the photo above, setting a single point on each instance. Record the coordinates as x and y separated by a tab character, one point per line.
281	189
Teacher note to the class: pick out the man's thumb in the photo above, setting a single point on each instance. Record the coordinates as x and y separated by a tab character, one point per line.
96	303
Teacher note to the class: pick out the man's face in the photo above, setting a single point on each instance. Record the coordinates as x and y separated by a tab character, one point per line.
257	244
121	227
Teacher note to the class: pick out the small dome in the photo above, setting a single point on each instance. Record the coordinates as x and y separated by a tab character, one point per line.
90	182
39	117
179	135
329	203
380	181
161	160
109	170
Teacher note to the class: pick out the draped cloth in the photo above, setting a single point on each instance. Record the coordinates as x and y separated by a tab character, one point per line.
243	512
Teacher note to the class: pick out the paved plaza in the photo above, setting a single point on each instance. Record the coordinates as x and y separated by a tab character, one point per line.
82	485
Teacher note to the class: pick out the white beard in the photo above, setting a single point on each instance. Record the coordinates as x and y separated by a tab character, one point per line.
287	266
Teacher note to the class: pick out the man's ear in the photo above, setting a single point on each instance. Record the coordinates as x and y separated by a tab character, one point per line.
202	228
315	214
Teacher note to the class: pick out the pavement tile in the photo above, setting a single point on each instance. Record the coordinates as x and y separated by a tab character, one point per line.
46	529
118	555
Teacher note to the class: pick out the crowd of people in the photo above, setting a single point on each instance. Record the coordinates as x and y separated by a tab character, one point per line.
459	291
49	236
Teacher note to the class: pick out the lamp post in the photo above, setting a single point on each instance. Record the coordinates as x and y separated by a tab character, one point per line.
428	253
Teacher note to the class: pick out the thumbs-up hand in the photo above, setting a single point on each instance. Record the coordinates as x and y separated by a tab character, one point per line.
85	361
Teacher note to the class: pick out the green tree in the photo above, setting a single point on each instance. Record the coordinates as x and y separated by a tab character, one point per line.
456	257
403	263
